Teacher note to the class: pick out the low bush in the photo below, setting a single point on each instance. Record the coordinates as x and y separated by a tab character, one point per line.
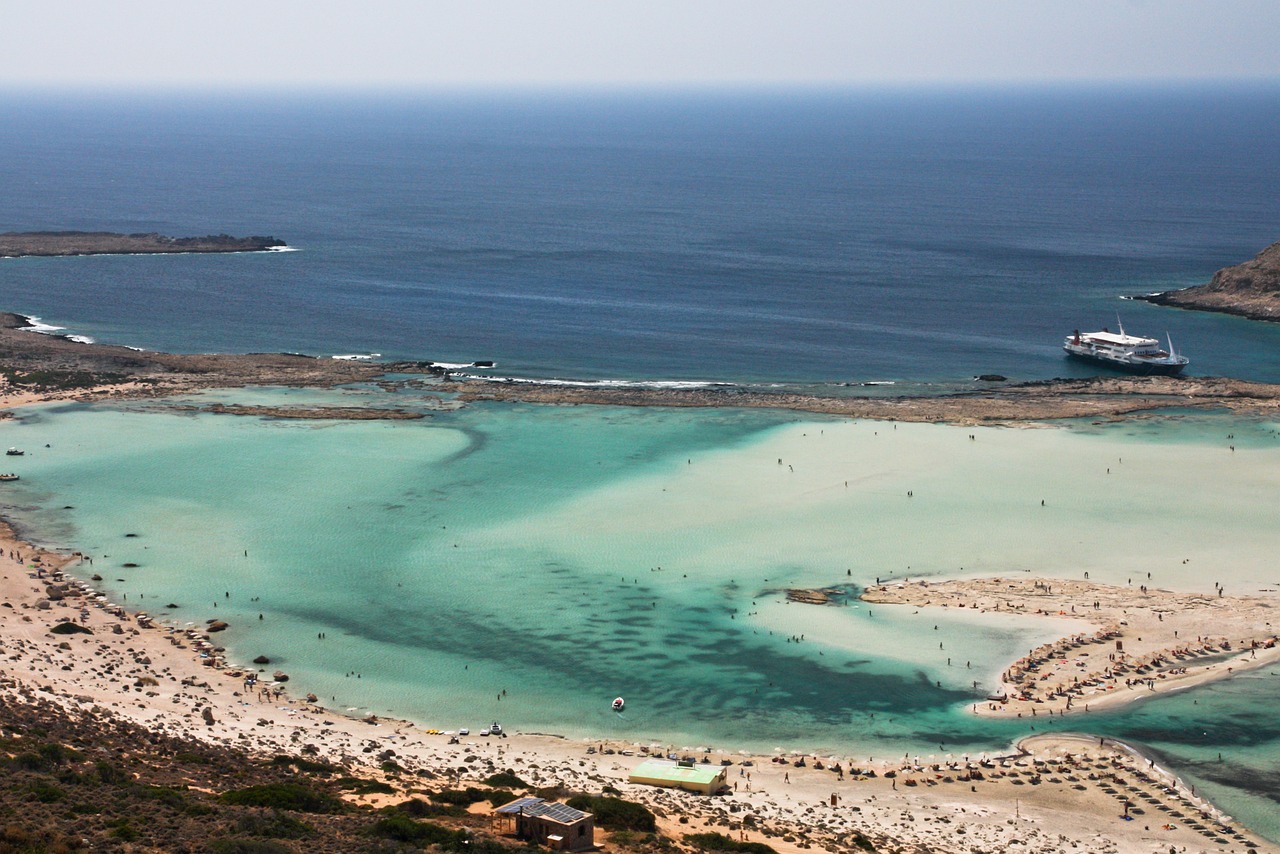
615	813
284	796
506	780
401	828
273	825
720	842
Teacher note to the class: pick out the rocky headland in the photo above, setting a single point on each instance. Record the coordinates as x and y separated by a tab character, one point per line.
54	366
18	244
1251	290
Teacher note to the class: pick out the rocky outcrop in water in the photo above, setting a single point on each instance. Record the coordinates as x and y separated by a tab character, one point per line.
1251	289
43	243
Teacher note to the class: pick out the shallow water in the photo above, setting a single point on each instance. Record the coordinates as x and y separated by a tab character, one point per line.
569	555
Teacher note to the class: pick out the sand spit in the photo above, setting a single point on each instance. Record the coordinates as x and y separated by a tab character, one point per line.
340	413
1048	795
1134	641
1097	397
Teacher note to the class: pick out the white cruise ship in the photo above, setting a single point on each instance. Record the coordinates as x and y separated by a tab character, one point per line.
1125	352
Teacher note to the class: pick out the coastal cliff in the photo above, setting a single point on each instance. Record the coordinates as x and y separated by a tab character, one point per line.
1251	289
16	244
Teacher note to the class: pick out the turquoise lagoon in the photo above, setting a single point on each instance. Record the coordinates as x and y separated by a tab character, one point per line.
567	555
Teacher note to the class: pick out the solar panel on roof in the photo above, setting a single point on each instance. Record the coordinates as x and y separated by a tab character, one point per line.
557	812
518	805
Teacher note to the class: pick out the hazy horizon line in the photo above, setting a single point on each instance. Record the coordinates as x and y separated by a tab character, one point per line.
643	87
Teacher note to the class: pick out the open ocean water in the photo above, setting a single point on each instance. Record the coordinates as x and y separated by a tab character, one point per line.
776	238
793	236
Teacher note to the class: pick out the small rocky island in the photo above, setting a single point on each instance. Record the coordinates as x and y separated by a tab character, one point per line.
19	244
1251	289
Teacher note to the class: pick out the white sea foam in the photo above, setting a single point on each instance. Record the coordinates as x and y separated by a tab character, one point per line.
282	249
650	384
35	325
83	339
357	357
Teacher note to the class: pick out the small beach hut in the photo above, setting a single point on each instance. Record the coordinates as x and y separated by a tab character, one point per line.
557	826
706	779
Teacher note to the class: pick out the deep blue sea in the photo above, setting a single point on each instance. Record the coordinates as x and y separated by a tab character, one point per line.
809	236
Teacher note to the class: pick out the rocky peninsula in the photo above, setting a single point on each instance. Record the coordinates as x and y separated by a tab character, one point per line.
47	367
1092	397
1251	289
22	244
44	367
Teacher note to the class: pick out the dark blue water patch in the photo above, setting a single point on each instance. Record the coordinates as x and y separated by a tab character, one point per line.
757	676
1264	782
748	237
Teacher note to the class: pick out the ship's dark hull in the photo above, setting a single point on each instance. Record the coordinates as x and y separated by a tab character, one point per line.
1145	369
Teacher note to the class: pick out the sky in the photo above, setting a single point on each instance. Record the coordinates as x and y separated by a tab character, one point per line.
395	44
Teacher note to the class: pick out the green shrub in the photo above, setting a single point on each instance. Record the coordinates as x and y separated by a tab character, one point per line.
171	798
498	797
460	797
308	766
56	754
30	761
46	793
640	841
284	796
43	758
404	829
111	775
615	813
274	825
191	758
506	780
247	846
720	842
364	787
123	831
417	808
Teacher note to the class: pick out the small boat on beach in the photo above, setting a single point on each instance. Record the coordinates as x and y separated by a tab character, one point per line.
1123	352
495	728
618	703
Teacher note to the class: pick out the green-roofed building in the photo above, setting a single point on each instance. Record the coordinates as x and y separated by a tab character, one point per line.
707	779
